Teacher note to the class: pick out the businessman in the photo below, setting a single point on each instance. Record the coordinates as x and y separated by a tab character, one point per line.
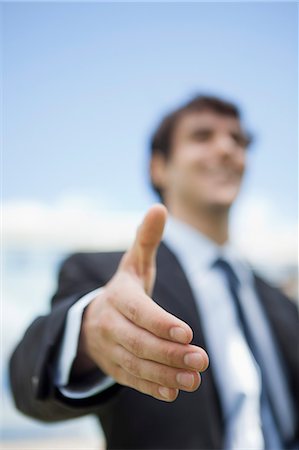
175	344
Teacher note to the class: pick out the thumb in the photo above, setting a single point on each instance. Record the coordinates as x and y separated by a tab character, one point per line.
141	257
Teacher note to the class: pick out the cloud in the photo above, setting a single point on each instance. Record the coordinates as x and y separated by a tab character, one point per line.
71	223
263	234
76	222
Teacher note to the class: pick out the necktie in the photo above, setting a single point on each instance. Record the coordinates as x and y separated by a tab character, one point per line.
234	285
279	406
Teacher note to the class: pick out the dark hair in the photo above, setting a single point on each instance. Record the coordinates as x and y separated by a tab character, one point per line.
160	142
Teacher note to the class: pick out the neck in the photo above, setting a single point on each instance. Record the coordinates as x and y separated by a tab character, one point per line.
212	222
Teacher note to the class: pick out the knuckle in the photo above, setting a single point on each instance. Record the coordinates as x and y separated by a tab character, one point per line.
170	355
130	363
153	390
159	326
144	387
132	311
135	345
164	376
112	293
149	388
104	323
123	377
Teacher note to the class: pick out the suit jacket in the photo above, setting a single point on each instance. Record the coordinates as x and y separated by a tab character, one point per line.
130	419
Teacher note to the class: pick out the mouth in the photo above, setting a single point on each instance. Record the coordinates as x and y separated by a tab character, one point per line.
222	174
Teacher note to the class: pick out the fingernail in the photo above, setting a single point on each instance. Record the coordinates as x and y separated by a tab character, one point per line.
178	334
164	392
194	360
185	379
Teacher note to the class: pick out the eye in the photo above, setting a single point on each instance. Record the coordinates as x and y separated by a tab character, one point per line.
240	139
202	135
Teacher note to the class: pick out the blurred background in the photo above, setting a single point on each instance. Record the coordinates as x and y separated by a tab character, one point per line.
83	85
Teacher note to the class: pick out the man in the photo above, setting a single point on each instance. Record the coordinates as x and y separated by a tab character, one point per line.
107	348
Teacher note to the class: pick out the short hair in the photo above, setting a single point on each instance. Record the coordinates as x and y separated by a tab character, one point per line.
161	139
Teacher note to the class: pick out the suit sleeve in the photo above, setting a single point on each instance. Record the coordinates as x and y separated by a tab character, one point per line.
32	364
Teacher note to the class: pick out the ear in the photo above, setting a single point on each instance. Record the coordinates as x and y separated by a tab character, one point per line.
158	170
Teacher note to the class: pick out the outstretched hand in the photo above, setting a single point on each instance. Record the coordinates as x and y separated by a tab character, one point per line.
129	336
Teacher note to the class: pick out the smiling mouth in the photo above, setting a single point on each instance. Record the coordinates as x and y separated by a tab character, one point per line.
222	174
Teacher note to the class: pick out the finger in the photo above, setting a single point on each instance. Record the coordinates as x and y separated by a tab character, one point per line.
146	387
145	345
144	312
149	234
157	373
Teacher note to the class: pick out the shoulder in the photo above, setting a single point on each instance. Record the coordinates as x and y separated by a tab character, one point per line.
91	262
277	305
275	293
80	273
90	258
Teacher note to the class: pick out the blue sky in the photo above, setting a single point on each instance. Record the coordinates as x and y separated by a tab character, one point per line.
85	83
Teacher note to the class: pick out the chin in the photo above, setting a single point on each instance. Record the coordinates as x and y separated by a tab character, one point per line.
213	205
222	201
220	207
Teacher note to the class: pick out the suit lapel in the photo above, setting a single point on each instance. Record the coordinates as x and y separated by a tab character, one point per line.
282	315
173	292
180	299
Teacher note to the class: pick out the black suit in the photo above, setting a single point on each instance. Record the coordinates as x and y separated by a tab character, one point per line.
131	419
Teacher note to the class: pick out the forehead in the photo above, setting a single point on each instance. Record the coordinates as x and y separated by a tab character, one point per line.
193	120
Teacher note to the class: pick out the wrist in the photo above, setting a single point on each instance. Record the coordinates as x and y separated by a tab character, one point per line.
83	363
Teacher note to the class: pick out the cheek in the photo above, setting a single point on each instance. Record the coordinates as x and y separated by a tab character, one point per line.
241	160
184	164
193	166
241	167
191	154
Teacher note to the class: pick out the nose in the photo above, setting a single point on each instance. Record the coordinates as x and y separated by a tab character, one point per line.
225	144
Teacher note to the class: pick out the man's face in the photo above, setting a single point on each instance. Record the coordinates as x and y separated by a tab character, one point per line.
207	161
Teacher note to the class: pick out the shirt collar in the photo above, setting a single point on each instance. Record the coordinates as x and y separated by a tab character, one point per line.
197	252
